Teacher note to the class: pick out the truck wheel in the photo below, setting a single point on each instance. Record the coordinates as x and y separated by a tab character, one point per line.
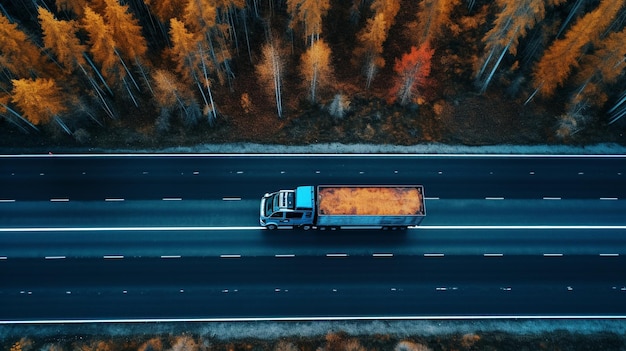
271	226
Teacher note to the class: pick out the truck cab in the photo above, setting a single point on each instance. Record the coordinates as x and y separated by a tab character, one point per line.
294	208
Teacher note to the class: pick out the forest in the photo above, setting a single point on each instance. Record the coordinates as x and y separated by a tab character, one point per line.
124	72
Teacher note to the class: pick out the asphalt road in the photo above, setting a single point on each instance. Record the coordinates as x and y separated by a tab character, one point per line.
178	237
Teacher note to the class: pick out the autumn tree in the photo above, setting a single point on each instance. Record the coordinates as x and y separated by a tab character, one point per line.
75	6
413	70
60	38
169	93
315	68
102	45
18	55
512	23
309	14
39	99
432	16
165	10
191	62
270	72
563	55
371	38
125	29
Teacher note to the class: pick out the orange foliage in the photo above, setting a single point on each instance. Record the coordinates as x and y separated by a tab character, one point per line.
39	99
76	6
164	10
433	15
413	70
370	201
60	37
185	50
200	15
102	44
126	30
17	53
563	55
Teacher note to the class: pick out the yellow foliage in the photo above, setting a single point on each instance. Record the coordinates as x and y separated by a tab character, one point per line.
315	67
165	10
60	37
126	30
39	99
185	50
309	13
432	16
168	90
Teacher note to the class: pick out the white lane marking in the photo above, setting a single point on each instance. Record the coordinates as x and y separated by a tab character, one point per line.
172	199
431	198
3	257
55	257
60	200
196	173
609	255
608	198
493	255
581	173
41	174
239	172
231	198
518	227
336	255
283	172
144	173
552	255
382	255
318	172
531	173
7	200
170	256
113	257
434	255
551	198
285	256
494	198
230	256
113	199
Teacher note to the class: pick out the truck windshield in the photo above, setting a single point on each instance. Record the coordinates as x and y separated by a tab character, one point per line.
271	205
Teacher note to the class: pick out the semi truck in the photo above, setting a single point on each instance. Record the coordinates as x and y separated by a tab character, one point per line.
344	206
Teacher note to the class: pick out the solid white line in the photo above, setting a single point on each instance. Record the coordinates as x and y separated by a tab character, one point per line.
170	256
172	199
552	255
434	255
609	255
113	199
231	198
336	255
494	198
119	229
382	255
55	257
285	256
318	318
7	200
493	255
406	155
519	227
608	198
230	256
60	200
113	257
551	198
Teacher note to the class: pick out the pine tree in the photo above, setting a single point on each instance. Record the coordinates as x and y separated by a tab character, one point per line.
126	30
563	55
39	99
315	68
18	54
102	45
431	17
200	15
60	37
75	6
165	10
512	23
185	51
270	72
413	70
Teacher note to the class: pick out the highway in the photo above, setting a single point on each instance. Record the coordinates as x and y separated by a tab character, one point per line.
129	237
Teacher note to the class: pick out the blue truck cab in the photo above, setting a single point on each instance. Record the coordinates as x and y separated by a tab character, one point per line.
294	208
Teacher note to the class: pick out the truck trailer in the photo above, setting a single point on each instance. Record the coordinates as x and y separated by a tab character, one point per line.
344	206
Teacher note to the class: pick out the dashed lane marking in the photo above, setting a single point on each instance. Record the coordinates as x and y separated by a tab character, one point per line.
114	200
336	255
434	255
609	255
285	256
493	255
552	255
231	198
170	256
60	200
230	256
382	255
172	199
55	257
113	257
